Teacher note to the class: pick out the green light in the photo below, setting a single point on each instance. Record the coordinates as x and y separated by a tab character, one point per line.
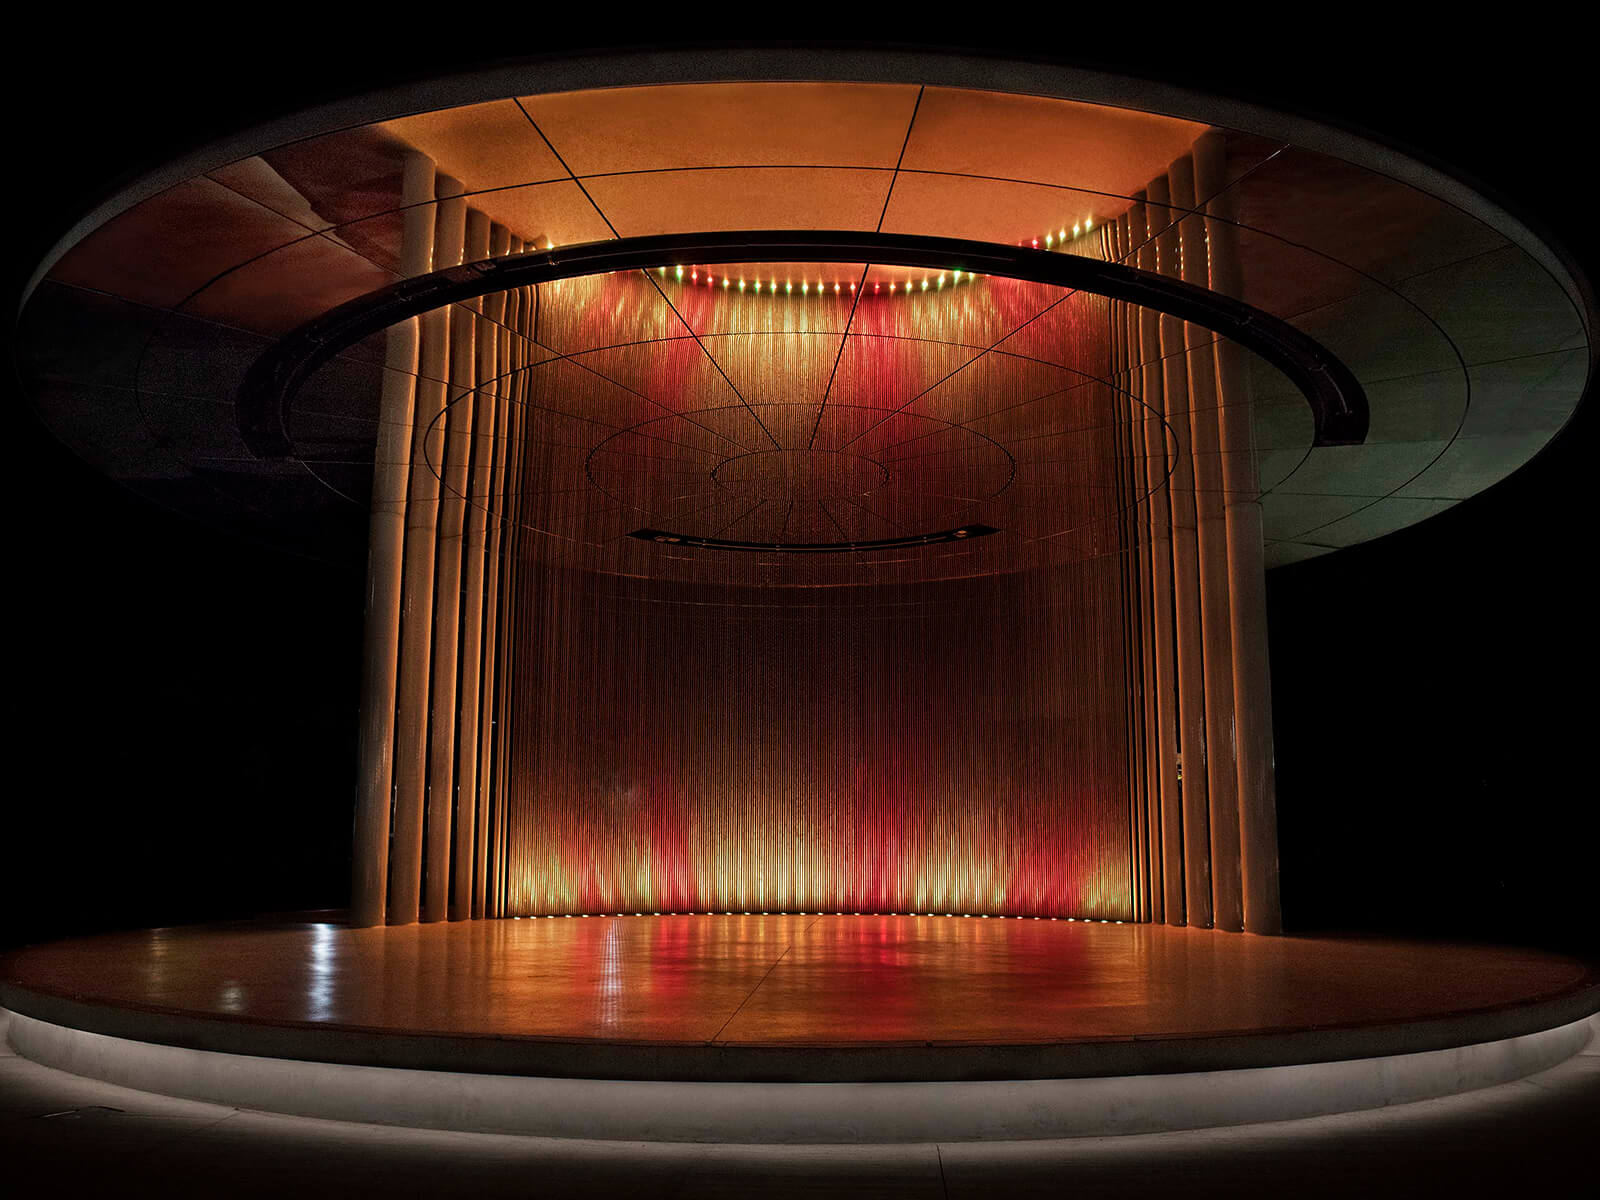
680	272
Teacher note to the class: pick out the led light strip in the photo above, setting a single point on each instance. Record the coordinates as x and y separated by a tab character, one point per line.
698	276
822	913
695	276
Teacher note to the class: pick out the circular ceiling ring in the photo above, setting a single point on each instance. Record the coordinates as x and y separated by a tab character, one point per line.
264	404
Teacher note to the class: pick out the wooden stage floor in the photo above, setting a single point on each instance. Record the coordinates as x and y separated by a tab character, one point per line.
742	996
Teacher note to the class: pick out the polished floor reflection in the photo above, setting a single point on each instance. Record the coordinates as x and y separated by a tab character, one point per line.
788	980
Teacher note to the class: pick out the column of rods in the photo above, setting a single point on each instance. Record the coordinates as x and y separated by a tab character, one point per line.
429	810
431	821
1205	831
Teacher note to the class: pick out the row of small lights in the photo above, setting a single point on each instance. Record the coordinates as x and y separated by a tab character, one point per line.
711	278
1058	240
983	916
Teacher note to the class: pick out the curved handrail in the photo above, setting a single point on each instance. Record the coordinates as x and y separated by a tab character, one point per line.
264	405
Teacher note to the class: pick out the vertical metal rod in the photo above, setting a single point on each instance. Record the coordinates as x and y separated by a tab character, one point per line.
1152	383
1252	682
385	564
1132	228
484	416
416	633
454	467
1222	793
488	777
1185	581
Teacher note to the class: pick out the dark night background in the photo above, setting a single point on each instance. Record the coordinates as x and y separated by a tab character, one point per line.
184	705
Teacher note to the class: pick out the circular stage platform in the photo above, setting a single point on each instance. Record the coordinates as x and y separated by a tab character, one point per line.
700	1027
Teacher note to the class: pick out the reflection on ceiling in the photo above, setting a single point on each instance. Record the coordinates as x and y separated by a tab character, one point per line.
716	415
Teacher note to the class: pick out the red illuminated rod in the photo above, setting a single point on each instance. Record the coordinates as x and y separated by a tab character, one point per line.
671	778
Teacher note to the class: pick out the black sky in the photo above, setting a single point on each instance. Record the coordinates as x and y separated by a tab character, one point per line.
184	715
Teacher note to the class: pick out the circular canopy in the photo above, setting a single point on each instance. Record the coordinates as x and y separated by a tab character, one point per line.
793	409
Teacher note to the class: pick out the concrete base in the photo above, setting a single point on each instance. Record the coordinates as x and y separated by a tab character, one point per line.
793	1114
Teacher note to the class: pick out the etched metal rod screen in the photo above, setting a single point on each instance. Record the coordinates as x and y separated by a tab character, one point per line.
806	586
936	727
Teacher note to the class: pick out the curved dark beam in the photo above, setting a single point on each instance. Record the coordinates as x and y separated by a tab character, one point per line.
266	399
894	543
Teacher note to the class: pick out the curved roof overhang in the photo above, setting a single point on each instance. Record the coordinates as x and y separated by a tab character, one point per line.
1470	337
